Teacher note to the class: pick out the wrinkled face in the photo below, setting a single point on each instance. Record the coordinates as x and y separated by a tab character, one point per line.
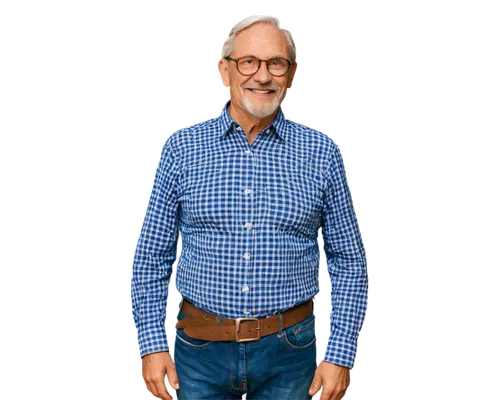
264	42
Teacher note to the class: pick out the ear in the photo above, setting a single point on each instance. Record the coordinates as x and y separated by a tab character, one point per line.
224	71
293	68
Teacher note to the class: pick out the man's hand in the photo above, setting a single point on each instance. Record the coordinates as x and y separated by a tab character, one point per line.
334	379
154	368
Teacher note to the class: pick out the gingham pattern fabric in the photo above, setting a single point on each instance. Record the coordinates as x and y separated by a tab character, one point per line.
249	216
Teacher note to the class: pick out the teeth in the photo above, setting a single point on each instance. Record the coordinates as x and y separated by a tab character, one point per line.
260	91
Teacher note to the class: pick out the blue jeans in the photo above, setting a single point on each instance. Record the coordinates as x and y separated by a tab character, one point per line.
275	367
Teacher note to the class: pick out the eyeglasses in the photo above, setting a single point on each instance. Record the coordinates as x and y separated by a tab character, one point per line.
249	65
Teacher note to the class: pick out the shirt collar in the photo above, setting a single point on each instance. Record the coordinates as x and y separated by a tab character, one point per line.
226	122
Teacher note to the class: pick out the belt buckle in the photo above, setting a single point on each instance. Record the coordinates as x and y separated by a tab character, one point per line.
238	321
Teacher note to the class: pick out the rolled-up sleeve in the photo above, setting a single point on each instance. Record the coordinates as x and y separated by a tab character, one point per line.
346	262
155	254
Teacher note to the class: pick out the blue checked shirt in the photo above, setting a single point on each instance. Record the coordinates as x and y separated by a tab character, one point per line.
249	216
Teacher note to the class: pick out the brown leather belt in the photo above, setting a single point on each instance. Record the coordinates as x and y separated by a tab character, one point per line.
205	326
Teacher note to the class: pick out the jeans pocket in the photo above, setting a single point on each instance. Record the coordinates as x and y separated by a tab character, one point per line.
189	341
302	335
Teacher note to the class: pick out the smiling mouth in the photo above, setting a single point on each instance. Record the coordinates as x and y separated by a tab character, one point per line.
261	91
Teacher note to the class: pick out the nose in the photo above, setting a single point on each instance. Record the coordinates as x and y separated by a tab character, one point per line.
262	75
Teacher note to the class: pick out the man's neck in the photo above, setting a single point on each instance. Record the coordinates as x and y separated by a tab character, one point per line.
251	125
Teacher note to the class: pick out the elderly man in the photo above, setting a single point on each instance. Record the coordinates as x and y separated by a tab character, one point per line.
249	191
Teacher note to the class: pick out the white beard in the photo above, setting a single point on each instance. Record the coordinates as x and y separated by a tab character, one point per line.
264	110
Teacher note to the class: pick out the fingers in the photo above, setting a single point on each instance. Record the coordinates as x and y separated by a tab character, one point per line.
156	385
159	390
173	379
154	368
343	395
316	384
331	394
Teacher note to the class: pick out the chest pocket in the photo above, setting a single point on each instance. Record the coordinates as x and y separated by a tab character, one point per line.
294	203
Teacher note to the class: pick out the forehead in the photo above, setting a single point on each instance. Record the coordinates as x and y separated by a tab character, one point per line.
261	40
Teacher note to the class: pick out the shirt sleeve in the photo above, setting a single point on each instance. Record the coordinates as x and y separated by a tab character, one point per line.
346	262
154	256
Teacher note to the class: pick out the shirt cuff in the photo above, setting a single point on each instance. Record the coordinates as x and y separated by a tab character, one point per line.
341	351
153	341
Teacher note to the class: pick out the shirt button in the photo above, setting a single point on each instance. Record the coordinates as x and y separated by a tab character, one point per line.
248	151
248	225
246	312
245	288
248	191
246	256
268	131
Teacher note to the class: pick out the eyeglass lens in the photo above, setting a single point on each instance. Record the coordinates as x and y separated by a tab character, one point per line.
250	65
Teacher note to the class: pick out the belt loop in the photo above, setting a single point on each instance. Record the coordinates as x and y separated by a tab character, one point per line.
280	317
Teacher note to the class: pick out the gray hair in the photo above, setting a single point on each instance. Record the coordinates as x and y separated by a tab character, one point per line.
245	23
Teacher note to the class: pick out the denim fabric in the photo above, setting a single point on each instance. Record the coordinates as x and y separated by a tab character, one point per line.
275	367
